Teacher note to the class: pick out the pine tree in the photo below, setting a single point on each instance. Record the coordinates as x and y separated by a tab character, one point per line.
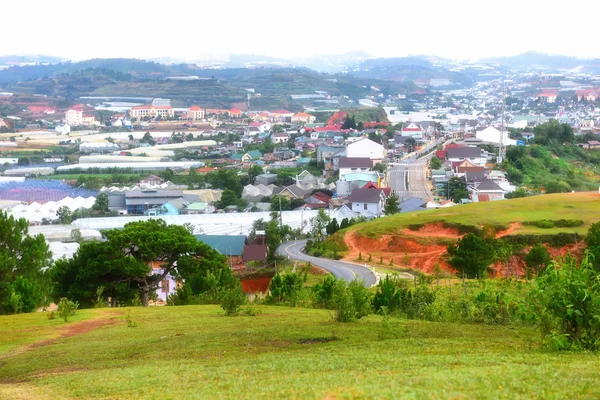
392	205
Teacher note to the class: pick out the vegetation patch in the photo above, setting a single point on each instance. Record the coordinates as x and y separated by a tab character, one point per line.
560	223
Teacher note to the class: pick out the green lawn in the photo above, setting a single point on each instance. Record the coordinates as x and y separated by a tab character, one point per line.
197	352
585	206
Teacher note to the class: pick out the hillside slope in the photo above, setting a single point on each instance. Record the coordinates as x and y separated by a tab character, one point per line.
418	240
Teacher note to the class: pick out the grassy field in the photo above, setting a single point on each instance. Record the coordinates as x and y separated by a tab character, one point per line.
197	352
585	206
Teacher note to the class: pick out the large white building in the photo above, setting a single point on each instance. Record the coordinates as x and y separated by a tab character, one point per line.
74	117
151	111
195	113
492	135
366	148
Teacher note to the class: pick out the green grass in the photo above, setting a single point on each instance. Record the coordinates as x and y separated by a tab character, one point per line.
197	352
583	206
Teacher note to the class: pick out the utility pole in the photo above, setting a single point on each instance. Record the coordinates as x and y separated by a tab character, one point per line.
502	149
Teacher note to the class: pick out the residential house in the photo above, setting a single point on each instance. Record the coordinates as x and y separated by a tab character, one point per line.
195	113
293	192
250	156
548	95
349	165
460	154
318	200
260	127
231	246
366	148
528	136
303	118
589	94
280	137
266	179
41	110
486	191
590	145
172	207
367	202
493	136
198	207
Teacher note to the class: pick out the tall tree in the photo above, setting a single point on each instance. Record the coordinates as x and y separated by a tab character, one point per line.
101	204
319	224
472	255
64	214
253	172
153	241
457	189
436	163
278	201
392	204
21	257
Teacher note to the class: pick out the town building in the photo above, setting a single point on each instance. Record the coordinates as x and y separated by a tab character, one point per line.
195	113
367	202
303	118
349	165
366	148
460	154
150	111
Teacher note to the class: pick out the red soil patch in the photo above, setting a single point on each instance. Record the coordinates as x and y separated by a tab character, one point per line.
256	285
511	229
433	230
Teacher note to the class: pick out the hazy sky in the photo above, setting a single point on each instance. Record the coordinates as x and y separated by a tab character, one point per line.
188	29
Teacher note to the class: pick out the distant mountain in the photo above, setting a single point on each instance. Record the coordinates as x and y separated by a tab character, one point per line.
541	61
29	59
422	70
332	63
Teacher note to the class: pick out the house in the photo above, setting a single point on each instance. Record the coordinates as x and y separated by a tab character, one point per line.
349	165
250	156
259	127
432	204
195	113
366	148
293	192
367	202
527	136
152	180
235	113
412	204
281	116
136	202
592	144
231	246
198	207
548	96
318	199
303	118
460	154
279	137
412	130
41	110
150	111
61	129
172	207
266	179
489	189
589	94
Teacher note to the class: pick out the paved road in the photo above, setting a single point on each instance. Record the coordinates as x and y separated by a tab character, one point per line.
339	269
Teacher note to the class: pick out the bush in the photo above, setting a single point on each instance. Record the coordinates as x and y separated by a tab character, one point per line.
566	304
350	301
232	300
66	308
561	223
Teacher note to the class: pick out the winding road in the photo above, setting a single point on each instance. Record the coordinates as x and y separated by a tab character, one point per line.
340	269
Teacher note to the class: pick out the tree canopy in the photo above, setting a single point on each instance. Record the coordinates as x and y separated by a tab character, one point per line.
472	255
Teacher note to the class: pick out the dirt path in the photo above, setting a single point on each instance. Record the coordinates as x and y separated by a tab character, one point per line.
72	329
511	229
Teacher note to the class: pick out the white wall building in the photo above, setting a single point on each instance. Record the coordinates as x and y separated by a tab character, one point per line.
492	135
74	117
366	148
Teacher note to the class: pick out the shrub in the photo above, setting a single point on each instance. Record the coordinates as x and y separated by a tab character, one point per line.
131	323
51	314
66	308
566	303
350	301
232	300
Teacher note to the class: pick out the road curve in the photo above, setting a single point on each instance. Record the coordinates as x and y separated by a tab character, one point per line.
340	269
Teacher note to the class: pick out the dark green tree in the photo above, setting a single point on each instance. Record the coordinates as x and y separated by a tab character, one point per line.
436	163
228	198
472	255
392	204
64	215
101	204
457	189
278	200
22	261
537	260
253	172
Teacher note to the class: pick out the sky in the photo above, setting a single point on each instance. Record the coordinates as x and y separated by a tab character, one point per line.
192	29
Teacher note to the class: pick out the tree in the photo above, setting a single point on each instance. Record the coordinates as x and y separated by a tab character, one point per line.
319	224
130	137
64	214
228	198
410	144
190	227
392	204
472	255
101	204
436	163
517	194
537	259
349	122
147	138
379	167
553	132
457	189
24	257
253	172
277	201
592	241
153	241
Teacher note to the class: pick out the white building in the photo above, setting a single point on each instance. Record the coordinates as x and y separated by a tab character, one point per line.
280	137
74	117
366	148
367	202
472	154
354	165
195	113
492	135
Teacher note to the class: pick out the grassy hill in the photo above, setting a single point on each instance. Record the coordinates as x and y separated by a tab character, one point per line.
583	206
195	352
